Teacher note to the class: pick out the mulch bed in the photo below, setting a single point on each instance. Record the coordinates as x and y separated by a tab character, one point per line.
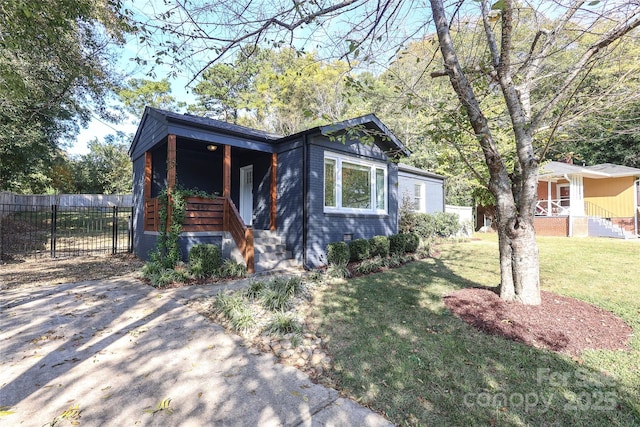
561	324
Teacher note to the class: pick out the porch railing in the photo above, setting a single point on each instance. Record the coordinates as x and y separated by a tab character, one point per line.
553	207
242	235
203	214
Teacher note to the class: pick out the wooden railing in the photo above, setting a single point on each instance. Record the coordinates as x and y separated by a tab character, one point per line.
151	215
203	214
242	235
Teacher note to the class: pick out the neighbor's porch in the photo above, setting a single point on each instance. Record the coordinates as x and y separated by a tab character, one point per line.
242	180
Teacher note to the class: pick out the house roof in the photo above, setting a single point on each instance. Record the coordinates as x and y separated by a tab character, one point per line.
605	170
386	140
412	169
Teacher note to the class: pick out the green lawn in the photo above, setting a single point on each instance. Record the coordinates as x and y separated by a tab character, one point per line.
397	349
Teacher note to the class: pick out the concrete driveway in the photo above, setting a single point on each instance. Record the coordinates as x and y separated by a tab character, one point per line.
119	353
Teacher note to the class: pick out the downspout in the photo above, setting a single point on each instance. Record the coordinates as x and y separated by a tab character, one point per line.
305	200
570	210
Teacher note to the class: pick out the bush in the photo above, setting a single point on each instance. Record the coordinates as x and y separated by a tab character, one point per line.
236	310
439	224
232	269
397	243
337	253
204	260
370	265
379	246
411	243
282	324
359	249
338	271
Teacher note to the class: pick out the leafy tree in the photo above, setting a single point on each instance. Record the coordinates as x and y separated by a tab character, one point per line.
106	169
54	73
512	65
139	93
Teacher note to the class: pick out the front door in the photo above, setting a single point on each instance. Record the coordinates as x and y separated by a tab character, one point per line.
246	194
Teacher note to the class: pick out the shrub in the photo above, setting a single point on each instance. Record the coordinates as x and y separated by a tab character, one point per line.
166	276
379	246
255	288
369	265
439	224
358	249
397	243
274	300
411	243
338	271
204	260
236	310
283	323
232	269
337	253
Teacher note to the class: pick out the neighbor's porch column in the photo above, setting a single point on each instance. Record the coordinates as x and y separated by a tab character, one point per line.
549	197
274	191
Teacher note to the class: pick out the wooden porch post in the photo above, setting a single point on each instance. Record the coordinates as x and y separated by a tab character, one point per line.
274	191
226	186
171	173
226	172
146	192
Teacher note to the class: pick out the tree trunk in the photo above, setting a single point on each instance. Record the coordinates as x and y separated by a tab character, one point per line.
519	268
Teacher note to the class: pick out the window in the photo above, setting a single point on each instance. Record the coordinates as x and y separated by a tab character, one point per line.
417	198
352	185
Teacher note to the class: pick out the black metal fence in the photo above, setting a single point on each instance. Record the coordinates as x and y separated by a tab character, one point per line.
57	231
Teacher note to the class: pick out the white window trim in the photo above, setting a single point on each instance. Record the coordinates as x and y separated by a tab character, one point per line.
372	165
422	207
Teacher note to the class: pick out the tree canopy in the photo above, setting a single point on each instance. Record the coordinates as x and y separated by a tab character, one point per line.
54	73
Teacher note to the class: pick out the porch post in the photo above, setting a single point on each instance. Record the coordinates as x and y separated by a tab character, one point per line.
171	174
549	197
146	192
171	163
147	175
274	191
226	172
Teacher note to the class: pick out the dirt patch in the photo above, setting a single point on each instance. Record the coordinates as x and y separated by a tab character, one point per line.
46	271
561	324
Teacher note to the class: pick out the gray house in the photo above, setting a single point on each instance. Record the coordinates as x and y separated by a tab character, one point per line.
280	200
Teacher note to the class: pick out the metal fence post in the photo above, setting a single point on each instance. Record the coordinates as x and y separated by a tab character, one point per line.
130	232
114	231
54	226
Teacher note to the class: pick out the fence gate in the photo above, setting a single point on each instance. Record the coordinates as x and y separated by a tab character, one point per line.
64	231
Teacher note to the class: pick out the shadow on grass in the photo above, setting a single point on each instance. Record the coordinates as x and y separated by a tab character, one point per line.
398	349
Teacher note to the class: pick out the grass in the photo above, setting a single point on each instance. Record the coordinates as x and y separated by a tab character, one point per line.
397	349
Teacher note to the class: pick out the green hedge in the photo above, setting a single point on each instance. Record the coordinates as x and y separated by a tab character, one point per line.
359	250
439	224
397	243
204	260
337	253
379	246
411	242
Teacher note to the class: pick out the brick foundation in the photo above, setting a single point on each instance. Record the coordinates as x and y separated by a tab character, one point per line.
551	226
626	223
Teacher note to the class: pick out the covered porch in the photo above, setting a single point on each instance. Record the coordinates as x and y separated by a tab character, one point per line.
240	183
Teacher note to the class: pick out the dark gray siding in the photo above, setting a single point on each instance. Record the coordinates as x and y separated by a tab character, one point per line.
290	200
324	228
199	169
152	132
140	242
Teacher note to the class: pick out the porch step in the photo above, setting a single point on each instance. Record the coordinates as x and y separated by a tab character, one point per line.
270	253
601	227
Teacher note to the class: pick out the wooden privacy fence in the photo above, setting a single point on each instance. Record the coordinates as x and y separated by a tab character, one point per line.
66	200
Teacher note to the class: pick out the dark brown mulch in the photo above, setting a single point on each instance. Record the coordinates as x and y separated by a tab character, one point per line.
561	324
